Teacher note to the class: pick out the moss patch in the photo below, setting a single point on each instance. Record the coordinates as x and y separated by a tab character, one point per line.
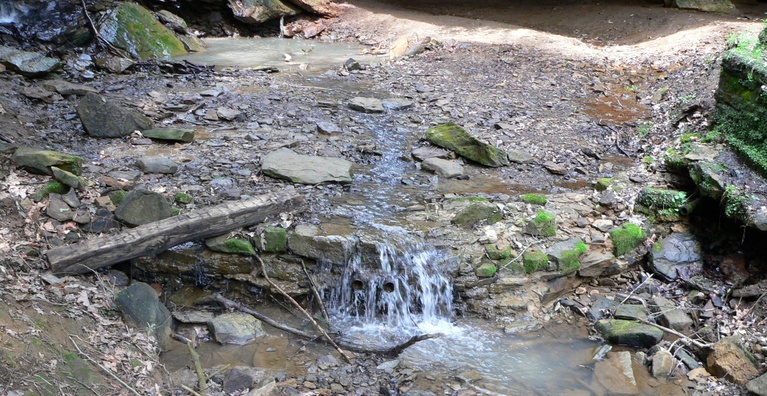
274	240
570	261
48	189
478	213
603	183
183	198
534	261
117	196
534	199
662	204
455	138
543	224
486	270
626	238
135	30
495	253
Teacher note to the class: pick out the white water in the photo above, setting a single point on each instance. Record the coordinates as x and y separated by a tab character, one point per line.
8	13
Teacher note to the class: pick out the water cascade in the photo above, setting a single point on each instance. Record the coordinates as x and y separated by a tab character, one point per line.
9	13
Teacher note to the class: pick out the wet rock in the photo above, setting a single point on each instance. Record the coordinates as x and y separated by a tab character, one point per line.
193	316
157	165
631	312
172	21
629	333
328	128
67	88
595	263
183	135
662	364
366	105
445	168
670	315
305	169
259	11
455	138
676	252
731	361
58	209
395	104
68	178
190	262
601	308
235	328
719	6
41	161
307	241
478	213
227	244
426	152
135	30
142	207
141	306
616	374
102	118
273	240
33	64
758	385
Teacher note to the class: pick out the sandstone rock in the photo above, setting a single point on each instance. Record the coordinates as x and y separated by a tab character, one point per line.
142	207
445	168
616	374
595	263
235	328
455	138
731	361
308	241
395	104
58	209
426	152
226	244
631	312
328	128
719	6
305	169
67	88
193	316
478	212
662	364
629	333
758	385
68	178
102	118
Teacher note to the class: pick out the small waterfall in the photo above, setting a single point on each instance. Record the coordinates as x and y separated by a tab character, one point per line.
10	12
401	295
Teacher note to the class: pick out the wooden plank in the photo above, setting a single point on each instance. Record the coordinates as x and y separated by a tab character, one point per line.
153	238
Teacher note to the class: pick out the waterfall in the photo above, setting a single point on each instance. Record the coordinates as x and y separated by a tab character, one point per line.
10	12
399	296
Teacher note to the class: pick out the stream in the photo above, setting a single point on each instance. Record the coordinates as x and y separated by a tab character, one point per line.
406	293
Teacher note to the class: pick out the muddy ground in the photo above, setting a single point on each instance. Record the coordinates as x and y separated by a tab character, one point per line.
622	81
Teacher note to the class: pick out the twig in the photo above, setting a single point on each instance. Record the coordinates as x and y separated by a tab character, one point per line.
636	288
316	293
231	304
300	308
106	370
202	383
755	304
190	390
684	338
521	253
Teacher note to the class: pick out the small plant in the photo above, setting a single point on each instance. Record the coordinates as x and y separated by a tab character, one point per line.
664	204
688	98
534	199
735	203
632	88
689	137
643	130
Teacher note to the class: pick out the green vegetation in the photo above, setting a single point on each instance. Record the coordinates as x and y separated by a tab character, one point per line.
183	198
631	88
534	199
643	130
603	183
706	177
689	137
239	246
534	261
675	161
470	199
544	224
48	189
495	253
735	204
486	270
626	238
665	205
117	196
570	261
274	240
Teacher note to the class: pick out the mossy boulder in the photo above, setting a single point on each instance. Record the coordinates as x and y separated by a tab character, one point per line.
544	224
183	198
566	255
68	178
629	333
478	213
626	237
273	240
663	204
494	252
534	199
741	104
709	179
603	183
227	244
48	189
259	11
486	270
534	261
40	161
455	138
133	29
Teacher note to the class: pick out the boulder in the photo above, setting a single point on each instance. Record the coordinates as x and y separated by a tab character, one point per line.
442	167
455	138
142	207
142	308
678	251
758	385
259	11
662	364
631	312
133	29
306	169
68	178
102	118
32	64
629	333
731	361
669	315
595	263
308	241
235	328
41	161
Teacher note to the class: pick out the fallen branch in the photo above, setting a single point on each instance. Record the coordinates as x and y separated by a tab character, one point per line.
316	293
683	337
106	370
300	308
202	383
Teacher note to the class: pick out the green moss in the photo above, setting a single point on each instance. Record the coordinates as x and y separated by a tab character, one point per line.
534	261
486	270
174	212
478	213
534	199
183	198
570	262
661	204
545	224
675	161
117	196
48	189
134	29
495	253
735	204
581	247
470	199
238	246
706	176
603	183
274	240
689	137
626	238
455	138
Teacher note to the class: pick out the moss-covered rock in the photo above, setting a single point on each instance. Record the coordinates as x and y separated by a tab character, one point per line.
453	137
183	198
708	177
486	270
534	199
225	244
478	213
625	332
603	183
41	161
494	252
183	135
543	224
533	261
116	196
626	238
48	189
68	178
273	240
663	204
133	29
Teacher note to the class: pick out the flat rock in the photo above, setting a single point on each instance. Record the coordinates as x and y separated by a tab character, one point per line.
105	119
182	135
555	168
616	374
595	263
719	6
328	128
631	312
40	161
141	307
758	385
670	316
306	169
66	88
58	209
33	64
366	105
235	328
445	168
629	333
519	157
676	252
229	114
397	103
193	316
426	152
157	165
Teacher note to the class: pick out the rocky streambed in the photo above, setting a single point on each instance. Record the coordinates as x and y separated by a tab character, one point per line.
550	226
